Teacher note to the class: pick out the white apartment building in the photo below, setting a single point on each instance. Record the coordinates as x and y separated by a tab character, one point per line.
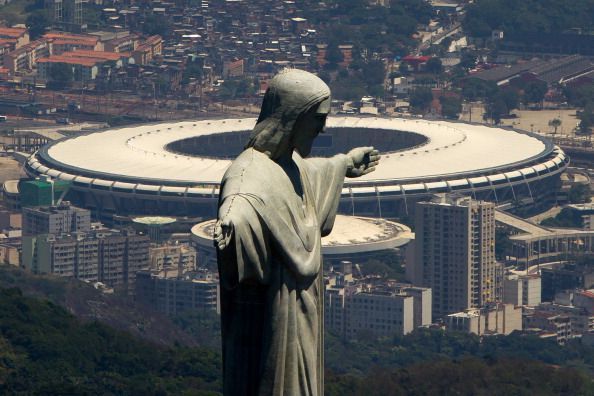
522	289
354	308
494	319
454	253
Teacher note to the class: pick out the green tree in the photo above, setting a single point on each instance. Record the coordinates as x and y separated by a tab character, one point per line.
579	95
527	17
510	98
60	75
535	91
403	68
155	24
496	109
586	117
468	60
579	193
334	55
237	88
585	127
500	104
37	23
434	66
475	89
420	99
555	123
568	217
373	72
451	107
192	70
351	88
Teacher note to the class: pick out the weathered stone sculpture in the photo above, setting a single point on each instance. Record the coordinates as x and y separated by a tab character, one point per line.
274	207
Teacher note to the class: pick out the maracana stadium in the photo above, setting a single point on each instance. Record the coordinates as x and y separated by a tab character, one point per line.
175	168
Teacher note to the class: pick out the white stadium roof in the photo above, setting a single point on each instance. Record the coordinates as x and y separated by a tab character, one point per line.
350	234
138	154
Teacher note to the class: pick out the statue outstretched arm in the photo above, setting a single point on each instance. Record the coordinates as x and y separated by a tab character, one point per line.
362	160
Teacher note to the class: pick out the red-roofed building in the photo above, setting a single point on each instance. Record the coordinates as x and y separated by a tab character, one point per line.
85	64
415	62
121	44
65	42
7	44
347	54
322	49
120	58
25	58
156	43
18	36
148	49
4	73
83	69
549	325
5	48
233	68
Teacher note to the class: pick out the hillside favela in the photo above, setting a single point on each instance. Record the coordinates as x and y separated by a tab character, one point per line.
457	257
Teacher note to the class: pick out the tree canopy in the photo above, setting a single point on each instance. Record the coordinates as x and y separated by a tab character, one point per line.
528	16
372	27
45	350
420	99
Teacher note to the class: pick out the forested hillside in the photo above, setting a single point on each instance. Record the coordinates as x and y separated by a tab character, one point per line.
46	351
529	16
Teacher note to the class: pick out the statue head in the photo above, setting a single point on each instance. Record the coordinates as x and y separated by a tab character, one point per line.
293	112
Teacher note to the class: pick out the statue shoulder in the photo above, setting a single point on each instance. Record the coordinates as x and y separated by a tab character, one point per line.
243	163
250	171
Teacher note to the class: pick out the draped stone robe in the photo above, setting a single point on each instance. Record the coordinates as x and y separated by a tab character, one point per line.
271	273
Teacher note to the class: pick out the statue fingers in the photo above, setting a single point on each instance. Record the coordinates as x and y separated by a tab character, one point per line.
375	157
218	238
368	170
222	233
218	231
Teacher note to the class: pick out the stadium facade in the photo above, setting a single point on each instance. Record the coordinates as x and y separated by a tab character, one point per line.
174	169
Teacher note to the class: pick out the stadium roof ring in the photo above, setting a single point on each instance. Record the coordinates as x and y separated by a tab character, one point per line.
351	237
184	161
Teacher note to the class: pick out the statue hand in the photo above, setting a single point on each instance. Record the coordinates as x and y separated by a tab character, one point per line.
222	233
363	161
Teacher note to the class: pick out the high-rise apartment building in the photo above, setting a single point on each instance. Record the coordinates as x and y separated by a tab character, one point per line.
60	219
454	253
112	257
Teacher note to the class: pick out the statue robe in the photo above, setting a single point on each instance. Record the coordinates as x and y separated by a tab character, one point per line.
271	273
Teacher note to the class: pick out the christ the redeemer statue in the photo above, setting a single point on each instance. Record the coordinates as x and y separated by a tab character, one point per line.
274	207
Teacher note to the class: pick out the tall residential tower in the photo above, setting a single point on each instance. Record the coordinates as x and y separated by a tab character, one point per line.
455	253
